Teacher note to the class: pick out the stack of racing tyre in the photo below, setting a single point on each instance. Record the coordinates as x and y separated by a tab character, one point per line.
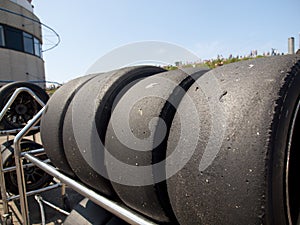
187	146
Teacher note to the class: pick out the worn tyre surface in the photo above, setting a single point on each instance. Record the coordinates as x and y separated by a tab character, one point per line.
34	176
136	144
242	170
23	108
86	122
53	119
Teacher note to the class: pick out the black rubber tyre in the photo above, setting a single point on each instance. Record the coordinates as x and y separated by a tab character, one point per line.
88	213
116	221
243	168
53	119
88	112
35	177
66	203
153	97
23	108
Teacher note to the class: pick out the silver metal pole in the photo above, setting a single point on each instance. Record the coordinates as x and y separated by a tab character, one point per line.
52	206
119	210
38	199
19	165
13	168
30	193
35	151
3	190
63	190
14	131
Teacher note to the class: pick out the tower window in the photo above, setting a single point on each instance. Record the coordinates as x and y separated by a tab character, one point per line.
16	39
2	42
28	43
37	47
13	38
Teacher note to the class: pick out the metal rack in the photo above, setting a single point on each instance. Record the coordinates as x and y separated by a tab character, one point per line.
115	208
19	167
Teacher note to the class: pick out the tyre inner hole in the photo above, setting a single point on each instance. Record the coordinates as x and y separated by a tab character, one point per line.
293	169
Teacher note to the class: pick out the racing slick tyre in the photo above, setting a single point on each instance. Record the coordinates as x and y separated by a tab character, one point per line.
53	119
86	121
136	138
245	164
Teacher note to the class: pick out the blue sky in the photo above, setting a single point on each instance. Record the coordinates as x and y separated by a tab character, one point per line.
92	28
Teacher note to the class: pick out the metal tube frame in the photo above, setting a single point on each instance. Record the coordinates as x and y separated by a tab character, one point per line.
19	165
13	168
3	191
38	199
49	204
17	153
14	131
30	193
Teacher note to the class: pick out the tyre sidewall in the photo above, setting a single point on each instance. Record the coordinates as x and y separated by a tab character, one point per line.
276	198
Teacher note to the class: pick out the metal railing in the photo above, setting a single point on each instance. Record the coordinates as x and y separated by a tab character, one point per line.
19	167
